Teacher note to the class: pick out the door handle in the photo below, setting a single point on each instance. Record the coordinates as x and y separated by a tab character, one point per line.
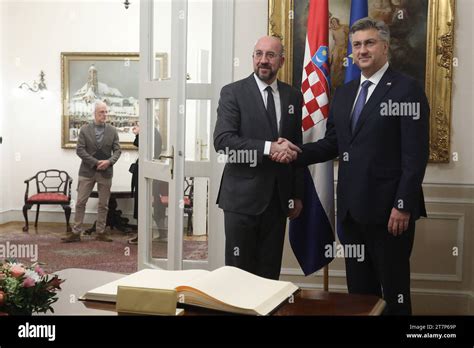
171	157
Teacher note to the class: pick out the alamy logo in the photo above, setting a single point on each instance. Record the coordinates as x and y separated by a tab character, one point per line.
37	331
353	251
20	251
237	156
392	108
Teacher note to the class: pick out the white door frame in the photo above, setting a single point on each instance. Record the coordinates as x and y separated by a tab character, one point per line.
177	91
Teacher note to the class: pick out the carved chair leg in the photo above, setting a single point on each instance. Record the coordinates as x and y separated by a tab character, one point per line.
37	214
25	214
67	212
190	223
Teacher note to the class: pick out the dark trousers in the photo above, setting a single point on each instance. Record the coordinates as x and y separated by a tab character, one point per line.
385	271
254	243
135	189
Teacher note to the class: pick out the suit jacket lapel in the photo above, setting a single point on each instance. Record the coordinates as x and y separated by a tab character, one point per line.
349	103
382	88
106	135
284	104
262	111
91	134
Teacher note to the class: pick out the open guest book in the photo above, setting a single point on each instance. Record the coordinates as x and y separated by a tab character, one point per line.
228	289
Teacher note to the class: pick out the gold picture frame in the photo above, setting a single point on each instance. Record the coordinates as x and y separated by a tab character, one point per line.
438	72
90	76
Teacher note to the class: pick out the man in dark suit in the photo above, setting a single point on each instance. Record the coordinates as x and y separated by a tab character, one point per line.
255	118
379	127
99	148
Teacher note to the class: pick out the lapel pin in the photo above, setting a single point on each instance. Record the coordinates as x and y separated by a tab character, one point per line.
389	83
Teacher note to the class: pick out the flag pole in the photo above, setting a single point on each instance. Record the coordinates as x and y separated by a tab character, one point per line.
326	278
313	231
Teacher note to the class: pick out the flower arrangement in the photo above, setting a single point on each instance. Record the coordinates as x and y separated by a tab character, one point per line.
26	289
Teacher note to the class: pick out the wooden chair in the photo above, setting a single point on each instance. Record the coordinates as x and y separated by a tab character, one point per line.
187	201
52	187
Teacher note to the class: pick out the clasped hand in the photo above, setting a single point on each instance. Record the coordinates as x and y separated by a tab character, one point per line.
103	164
284	151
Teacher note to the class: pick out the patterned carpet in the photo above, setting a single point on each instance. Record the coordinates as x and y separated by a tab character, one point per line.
117	256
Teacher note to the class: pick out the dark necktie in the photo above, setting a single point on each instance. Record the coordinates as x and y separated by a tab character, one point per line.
360	103
271	111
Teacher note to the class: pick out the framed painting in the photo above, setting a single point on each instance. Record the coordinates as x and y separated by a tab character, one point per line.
108	77
421	46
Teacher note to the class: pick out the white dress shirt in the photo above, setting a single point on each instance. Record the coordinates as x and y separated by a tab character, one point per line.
276	96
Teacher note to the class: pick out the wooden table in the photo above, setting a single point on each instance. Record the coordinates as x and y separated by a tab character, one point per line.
306	302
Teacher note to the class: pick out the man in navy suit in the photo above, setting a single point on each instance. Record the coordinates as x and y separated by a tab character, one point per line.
254	118
379	127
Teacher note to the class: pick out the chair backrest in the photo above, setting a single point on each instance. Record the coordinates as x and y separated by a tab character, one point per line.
161	191
189	187
52	180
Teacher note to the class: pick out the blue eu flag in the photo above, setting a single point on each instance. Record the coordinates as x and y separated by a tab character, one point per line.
359	9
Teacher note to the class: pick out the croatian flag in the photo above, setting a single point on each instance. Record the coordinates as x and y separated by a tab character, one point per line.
314	229
359	9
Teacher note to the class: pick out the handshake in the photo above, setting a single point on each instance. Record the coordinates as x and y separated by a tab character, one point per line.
283	151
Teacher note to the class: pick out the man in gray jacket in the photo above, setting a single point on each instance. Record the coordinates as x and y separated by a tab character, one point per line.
98	147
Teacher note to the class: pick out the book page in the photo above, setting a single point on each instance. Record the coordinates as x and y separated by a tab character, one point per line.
242	289
147	278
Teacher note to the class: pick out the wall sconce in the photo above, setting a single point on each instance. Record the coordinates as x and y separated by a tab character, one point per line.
37	87
126	3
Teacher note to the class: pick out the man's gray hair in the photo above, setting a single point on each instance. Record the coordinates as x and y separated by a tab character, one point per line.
369	23
96	104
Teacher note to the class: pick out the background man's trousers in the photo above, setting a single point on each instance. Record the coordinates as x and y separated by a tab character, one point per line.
254	243
84	189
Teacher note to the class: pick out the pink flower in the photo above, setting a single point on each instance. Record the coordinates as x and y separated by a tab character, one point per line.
55	283
39	270
2	276
2	297
28	282
17	271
